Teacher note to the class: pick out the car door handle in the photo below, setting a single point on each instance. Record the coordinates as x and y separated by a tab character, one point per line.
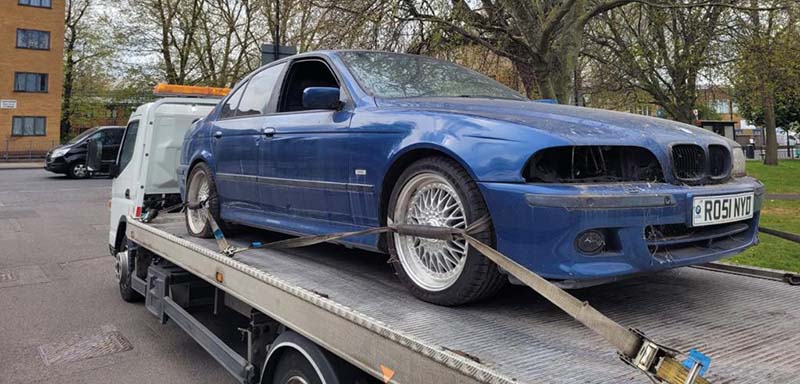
268	131
217	134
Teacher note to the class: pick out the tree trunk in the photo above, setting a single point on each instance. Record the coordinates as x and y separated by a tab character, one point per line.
771	156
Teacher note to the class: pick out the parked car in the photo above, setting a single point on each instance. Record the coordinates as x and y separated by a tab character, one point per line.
70	158
346	140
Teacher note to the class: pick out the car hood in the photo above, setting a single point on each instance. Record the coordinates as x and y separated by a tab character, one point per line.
576	125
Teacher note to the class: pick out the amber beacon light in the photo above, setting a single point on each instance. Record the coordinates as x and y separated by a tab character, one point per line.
189	90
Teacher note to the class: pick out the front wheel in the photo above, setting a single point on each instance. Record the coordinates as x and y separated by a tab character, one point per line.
124	269
78	170
437	191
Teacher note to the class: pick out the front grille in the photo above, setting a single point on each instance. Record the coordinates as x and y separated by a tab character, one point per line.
718	161
689	162
675	241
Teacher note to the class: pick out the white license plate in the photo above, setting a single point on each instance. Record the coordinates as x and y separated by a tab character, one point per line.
708	210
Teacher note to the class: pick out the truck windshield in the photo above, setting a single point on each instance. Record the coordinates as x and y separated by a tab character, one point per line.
128	144
393	75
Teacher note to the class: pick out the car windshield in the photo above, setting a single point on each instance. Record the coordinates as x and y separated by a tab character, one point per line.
393	75
82	136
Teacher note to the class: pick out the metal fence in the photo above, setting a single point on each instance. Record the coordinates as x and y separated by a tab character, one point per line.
20	149
784	152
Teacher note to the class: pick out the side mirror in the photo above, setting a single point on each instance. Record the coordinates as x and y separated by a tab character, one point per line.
94	155
321	98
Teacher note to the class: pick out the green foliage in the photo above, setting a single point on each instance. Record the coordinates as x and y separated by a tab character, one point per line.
782	215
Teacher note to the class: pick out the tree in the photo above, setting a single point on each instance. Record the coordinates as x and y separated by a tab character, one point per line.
659	50
89	42
543	39
766	70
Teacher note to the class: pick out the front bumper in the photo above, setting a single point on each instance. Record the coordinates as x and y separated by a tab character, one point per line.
57	165
537	225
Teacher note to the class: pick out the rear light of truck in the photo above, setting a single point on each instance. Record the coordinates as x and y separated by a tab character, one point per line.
138	212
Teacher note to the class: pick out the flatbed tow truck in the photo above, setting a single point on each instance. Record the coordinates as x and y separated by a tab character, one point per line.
343	313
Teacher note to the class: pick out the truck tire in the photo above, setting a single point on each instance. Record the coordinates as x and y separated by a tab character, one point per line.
293	359
78	170
201	185
124	270
438	191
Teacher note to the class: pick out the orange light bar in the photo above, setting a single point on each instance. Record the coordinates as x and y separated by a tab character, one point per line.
188	90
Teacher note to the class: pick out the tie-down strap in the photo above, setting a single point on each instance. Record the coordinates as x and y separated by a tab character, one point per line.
657	361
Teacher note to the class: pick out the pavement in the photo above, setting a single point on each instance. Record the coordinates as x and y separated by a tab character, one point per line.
61	317
21	165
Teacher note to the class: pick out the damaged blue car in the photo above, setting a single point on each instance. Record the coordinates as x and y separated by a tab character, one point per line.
347	140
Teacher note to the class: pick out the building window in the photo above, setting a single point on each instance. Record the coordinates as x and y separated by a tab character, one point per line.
36	3
30	82
33	39
28	126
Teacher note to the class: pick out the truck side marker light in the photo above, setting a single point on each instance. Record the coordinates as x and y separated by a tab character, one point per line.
219	277
387	373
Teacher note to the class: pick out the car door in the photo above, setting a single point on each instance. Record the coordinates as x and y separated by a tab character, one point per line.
235	149
111	141
304	165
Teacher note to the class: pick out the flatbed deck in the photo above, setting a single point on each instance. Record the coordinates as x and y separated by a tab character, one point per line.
351	302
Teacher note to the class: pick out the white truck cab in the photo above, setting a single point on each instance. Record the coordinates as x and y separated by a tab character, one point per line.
145	171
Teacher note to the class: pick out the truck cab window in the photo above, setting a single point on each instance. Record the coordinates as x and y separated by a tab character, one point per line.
302	75
255	99
128	145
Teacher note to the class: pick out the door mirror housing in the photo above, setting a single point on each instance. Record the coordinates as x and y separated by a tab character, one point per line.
322	98
94	155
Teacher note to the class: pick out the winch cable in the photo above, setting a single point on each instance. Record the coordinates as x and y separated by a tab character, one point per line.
658	362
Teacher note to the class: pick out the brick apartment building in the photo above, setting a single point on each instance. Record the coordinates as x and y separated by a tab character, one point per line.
31	52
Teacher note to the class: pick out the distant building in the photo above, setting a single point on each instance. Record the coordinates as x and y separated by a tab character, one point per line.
31	54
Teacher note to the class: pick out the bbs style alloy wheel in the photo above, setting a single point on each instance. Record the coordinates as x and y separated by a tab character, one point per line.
436	191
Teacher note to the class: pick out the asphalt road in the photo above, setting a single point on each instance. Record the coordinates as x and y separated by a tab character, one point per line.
61	317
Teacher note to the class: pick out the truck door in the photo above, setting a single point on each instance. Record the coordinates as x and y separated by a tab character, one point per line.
123	189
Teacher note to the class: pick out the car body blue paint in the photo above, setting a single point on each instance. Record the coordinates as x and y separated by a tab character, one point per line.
323	171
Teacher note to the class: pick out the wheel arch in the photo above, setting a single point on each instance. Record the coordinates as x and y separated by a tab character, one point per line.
320	359
121	228
399	163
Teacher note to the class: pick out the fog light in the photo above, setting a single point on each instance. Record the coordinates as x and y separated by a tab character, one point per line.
591	242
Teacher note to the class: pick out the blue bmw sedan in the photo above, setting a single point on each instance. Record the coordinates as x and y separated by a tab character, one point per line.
347	140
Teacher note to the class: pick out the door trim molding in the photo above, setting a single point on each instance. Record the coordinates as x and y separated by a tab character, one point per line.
297	183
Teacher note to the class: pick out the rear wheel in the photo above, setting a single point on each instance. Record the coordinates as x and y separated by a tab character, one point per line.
437	191
294	368
200	188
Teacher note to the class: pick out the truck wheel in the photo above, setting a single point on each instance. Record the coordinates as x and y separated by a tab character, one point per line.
438	191
201	186
78	170
293	359
124	270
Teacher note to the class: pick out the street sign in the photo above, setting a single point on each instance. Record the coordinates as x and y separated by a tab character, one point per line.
8	104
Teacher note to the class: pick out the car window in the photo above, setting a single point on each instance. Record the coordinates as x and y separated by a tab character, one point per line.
229	107
115	136
128	145
256	97
302	75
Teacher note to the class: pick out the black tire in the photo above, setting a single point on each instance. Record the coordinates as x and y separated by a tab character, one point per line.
293	364
74	171
125	290
480	277
214	208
